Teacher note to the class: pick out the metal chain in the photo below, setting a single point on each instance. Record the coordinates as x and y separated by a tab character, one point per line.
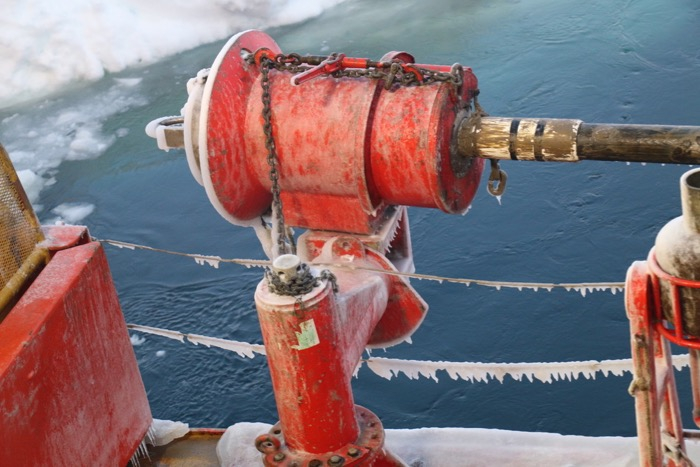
284	242
303	283
295	63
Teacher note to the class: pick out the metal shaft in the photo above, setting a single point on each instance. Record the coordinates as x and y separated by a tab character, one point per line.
561	140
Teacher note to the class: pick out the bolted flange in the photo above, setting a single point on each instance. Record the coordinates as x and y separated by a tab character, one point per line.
368	448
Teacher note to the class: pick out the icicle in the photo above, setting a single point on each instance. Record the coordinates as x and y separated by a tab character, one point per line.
355	373
408	340
498	198
498	287
628	163
467	284
380	369
243	349
212	261
681	361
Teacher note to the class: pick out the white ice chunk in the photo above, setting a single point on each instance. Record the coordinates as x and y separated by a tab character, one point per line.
444	447
47	44
163	432
32	183
137	340
72	213
129	82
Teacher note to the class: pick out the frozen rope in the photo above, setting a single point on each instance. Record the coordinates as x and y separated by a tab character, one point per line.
546	372
243	349
582	287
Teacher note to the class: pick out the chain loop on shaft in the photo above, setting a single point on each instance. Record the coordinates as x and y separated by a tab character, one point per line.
396	74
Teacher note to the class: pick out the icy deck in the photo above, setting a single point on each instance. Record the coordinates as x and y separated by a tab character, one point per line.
425	447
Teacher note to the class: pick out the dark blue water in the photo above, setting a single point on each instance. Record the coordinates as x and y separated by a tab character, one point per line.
600	61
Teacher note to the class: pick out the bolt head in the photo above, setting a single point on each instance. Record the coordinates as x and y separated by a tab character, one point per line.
353	452
336	460
279	457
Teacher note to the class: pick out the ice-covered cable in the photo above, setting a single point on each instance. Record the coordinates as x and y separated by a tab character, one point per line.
582	287
243	349
546	372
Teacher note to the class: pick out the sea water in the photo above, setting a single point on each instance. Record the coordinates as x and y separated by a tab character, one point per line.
600	61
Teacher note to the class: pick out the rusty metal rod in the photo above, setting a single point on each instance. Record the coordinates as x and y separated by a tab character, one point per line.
562	140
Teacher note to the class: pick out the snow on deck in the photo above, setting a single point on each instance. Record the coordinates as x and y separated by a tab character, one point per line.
473	447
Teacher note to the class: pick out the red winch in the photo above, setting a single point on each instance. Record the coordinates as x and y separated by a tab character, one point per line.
342	144
339	146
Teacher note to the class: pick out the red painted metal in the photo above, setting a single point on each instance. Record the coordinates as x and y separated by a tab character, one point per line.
67	236
347	147
314	344
366	450
390	250
671	331
70	389
654	387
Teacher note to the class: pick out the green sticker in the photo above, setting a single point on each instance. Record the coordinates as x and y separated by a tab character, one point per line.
307	337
